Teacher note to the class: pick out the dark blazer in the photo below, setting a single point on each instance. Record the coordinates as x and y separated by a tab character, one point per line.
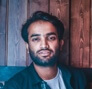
29	79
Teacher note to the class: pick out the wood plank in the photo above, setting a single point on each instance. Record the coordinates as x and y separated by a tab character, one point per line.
91	39
80	26
60	8
74	38
36	5
16	46
86	30
2	31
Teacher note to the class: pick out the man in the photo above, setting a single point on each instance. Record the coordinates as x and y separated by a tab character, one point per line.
43	34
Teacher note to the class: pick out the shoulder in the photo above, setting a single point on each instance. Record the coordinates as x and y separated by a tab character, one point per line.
19	79
77	76
76	72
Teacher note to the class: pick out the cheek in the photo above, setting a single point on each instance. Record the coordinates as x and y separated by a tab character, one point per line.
34	47
54	46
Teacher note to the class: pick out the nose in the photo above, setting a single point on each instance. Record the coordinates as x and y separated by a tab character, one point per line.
44	44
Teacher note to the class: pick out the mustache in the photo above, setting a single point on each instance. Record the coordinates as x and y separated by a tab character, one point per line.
44	50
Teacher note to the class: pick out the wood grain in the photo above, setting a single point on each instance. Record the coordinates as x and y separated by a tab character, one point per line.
91	39
16	46
37	5
2	31
80	27
60	8
86	30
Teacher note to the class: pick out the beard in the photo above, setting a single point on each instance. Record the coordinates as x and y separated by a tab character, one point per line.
42	61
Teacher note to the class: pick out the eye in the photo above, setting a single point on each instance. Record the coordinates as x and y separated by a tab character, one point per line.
35	39
52	38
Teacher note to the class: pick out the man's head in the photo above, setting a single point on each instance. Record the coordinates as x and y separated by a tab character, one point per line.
43	33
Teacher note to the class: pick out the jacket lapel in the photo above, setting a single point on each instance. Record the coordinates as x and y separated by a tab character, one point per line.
66	77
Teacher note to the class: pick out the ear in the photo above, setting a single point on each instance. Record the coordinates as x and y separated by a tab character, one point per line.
61	44
27	47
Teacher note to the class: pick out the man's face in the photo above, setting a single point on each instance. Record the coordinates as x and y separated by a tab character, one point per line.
43	44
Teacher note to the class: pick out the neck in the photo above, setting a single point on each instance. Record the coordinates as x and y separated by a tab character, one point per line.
46	73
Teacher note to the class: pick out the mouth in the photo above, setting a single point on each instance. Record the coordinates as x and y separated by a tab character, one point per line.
44	53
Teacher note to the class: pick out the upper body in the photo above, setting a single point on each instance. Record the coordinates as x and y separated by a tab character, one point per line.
29	79
43	34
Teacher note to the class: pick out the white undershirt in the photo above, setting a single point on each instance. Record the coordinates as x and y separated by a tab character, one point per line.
57	82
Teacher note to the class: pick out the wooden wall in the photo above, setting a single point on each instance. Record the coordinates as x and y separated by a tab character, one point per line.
80	32
76	16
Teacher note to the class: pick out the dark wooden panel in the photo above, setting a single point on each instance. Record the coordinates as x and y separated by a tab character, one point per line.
86	33
91	39
60	8
2	31
79	32
16	47
36	5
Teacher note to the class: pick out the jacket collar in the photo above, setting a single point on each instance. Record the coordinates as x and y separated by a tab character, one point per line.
65	74
66	77
35	77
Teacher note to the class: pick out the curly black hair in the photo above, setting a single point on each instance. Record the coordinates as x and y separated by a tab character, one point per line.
40	15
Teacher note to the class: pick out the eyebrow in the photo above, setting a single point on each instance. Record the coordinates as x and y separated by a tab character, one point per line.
51	33
48	34
35	35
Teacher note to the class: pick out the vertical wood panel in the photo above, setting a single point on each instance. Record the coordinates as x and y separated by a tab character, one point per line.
86	32
91	39
36	5
2	31
80	26
16	46
60	8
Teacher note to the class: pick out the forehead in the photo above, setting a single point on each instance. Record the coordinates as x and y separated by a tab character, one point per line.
42	28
